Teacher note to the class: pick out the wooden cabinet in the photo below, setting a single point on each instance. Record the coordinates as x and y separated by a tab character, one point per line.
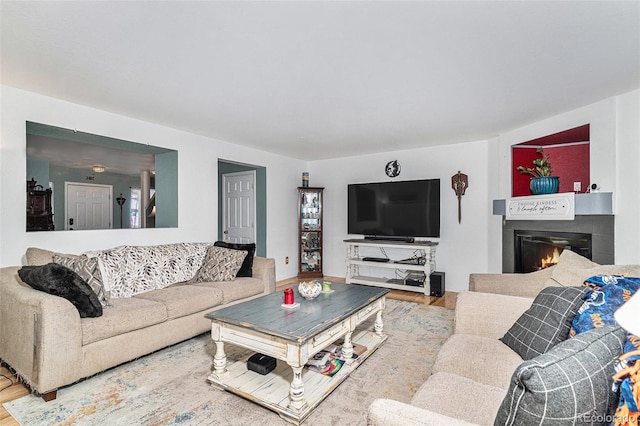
310	232
39	212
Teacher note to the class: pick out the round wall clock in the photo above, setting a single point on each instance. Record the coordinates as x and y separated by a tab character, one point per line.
392	169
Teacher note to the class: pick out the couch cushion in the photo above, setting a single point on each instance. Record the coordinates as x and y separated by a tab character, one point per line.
483	359
240	288
61	281
184	299
460	397
247	263
573	270
546	323
126	314
220	264
88	270
568	384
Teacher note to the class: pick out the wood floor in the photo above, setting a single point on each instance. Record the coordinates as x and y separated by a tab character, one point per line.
11	389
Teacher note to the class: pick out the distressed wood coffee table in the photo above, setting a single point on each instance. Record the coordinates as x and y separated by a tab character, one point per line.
293	336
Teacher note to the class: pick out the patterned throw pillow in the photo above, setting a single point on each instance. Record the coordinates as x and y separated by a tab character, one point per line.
607	293
88	270
546	322
570	384
246	270
220	264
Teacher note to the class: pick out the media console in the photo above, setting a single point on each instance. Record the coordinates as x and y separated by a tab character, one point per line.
409	261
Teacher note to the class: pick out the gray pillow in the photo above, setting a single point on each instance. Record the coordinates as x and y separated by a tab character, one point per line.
88	270
220	264
570	384
546	323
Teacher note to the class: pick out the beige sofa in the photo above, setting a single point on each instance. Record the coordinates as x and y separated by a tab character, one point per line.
471	374
43	338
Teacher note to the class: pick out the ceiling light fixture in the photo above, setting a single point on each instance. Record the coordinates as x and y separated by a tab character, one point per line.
98	168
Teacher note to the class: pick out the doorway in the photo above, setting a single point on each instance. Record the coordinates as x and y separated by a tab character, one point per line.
227	167
239	207
88	206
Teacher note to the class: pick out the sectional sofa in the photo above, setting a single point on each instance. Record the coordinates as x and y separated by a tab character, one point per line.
473	380
44	339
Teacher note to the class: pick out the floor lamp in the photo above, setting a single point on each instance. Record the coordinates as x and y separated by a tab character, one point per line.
120	200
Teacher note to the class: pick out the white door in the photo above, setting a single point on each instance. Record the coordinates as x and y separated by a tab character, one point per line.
239	207
88	206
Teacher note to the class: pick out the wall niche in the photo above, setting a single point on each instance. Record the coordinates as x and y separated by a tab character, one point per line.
568	153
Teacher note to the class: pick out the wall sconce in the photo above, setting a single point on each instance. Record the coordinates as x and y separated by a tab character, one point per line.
98	168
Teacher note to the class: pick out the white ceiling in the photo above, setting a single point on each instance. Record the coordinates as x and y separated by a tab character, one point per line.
327	79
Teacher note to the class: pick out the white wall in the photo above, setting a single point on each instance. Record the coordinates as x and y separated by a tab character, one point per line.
462	247
614	155
197	181
472	246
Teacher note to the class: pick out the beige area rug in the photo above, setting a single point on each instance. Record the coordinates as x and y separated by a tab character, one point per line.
169	387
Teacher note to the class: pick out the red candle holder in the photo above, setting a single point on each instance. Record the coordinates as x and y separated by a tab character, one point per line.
288	297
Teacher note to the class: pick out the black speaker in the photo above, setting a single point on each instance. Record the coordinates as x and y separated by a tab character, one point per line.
436	287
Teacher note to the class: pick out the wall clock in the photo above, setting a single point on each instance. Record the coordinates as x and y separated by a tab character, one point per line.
392	169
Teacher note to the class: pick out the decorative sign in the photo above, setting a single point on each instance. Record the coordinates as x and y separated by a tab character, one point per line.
542	207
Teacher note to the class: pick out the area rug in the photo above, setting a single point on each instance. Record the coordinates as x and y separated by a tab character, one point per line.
169	387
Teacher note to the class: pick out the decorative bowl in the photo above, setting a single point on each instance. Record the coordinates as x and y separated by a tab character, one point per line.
309	290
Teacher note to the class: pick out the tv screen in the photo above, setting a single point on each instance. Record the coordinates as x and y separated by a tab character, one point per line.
395	209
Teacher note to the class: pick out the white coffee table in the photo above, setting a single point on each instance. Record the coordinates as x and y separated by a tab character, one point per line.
293	336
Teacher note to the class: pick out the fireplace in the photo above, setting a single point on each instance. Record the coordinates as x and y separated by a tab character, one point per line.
599	227
535	249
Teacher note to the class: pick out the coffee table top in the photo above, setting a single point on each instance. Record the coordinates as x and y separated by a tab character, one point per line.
266	315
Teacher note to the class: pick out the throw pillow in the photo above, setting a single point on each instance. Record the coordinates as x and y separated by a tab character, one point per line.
246	270
570	384
546	322
601	303
570	269
88	270
61	281
220	264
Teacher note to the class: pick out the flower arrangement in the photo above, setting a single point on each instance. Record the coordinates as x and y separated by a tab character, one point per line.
542	166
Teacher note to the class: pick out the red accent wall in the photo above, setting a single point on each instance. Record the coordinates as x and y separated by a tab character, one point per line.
569	160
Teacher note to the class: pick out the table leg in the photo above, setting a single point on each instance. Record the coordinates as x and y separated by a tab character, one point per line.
379	325
347	348
296	390
219	361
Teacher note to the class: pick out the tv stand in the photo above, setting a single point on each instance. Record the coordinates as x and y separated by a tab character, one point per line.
387	238
409	258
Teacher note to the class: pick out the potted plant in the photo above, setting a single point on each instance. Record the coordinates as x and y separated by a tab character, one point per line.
541	181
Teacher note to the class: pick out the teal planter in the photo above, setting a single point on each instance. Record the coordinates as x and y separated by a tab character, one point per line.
544	185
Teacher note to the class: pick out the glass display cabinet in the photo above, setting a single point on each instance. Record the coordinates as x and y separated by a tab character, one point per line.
310	232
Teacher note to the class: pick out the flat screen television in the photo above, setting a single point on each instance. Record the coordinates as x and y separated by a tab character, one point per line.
394	209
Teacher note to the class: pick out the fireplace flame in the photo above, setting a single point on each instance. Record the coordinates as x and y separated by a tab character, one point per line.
551	260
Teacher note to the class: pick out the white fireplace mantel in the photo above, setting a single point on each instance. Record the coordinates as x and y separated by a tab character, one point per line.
594	203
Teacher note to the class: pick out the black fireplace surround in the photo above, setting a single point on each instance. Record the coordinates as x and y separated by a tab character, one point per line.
599	229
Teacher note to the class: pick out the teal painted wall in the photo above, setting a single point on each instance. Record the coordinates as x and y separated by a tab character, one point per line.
261	201
120	184
167	190
38	170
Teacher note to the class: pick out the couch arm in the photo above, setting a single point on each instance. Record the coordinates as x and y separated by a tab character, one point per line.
486	314
40	334
387	412
524	285
265	269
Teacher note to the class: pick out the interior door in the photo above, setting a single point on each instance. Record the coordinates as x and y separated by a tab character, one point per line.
88	206
239	207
